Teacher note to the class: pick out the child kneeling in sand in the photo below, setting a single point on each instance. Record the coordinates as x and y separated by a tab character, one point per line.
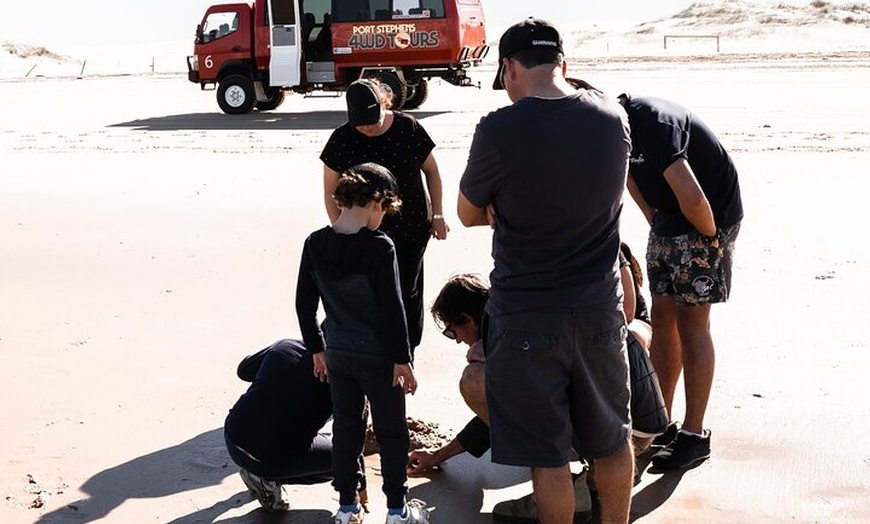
363	348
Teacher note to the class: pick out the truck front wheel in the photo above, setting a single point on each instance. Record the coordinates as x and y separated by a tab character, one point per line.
235	95
276	98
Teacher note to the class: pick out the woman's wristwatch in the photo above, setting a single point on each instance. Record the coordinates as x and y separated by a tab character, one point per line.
438	216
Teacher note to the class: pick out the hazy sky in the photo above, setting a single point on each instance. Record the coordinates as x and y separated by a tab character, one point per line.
61	23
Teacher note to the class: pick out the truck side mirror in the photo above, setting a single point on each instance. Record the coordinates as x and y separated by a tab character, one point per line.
198	33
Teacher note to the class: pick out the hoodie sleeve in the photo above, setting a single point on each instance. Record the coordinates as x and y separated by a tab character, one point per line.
307	300
386	284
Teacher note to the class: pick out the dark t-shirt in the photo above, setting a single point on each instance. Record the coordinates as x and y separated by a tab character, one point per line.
402	149
357	278
555	171
663	132
284	408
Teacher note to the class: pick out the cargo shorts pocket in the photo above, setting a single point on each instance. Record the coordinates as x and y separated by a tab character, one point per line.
525	344
610	339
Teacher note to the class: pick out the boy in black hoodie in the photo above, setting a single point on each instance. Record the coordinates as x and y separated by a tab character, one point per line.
363	346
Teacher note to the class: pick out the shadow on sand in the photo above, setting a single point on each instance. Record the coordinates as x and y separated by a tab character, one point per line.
307	121
196	463
656	493
202	461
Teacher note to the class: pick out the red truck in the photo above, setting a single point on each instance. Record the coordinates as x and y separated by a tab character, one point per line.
255	52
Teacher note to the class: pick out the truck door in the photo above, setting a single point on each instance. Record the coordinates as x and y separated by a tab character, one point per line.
285	58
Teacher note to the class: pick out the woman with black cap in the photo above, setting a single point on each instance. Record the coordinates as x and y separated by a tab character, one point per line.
375	133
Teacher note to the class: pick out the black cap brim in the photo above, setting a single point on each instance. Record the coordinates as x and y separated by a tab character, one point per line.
496	84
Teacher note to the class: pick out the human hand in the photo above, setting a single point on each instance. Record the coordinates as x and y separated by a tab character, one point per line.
439	227
422	462
320	370
403	376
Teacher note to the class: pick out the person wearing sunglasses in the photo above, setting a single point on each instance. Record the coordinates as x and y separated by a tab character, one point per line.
458	311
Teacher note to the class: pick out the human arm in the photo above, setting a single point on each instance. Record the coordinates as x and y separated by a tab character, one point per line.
330	181
434	186
478	186
307	302
629	296
249	365
474	439
424	461
693	203
471	215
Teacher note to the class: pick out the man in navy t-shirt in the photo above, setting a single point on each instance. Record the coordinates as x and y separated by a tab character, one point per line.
685	183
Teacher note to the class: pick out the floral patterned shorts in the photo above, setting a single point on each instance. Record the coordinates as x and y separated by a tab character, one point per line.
694	268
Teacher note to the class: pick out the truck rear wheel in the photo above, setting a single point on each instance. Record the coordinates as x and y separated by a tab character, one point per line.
419	94
235	95
276	98
392	79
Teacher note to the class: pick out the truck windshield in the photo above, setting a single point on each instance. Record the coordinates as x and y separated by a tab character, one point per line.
372	10
219	24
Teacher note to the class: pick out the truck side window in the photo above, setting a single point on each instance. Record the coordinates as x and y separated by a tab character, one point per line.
435	7
219	24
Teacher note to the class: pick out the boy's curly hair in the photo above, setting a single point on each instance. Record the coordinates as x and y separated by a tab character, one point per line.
364	183
464	293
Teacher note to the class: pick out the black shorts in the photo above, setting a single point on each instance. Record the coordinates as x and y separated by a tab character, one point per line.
553	373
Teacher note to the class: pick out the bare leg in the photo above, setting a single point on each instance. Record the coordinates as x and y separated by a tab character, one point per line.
614	477
472	386
665	350
699	362
554	494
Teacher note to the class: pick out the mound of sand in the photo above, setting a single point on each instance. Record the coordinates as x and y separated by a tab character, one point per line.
19	60
424	435
742	27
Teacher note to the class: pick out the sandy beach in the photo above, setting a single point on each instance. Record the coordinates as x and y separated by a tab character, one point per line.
151	242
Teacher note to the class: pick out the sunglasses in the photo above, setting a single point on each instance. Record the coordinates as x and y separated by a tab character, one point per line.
449	333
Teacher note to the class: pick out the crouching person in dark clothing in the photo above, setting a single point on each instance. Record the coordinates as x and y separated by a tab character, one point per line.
273	432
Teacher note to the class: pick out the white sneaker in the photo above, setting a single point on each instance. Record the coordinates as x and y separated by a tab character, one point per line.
349	517
267	492
416	512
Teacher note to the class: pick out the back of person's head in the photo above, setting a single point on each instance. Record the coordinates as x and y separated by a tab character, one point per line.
466	294
531	42
365	183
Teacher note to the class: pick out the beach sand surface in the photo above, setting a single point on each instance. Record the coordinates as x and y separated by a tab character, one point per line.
151	242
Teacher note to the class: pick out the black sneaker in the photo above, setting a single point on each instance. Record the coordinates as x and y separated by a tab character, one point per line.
684	452
668	436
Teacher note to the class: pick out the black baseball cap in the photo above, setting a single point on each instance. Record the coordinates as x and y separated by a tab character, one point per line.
530	34
377	176
363	103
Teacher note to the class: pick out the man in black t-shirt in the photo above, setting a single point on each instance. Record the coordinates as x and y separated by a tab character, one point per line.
685	183
548	174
